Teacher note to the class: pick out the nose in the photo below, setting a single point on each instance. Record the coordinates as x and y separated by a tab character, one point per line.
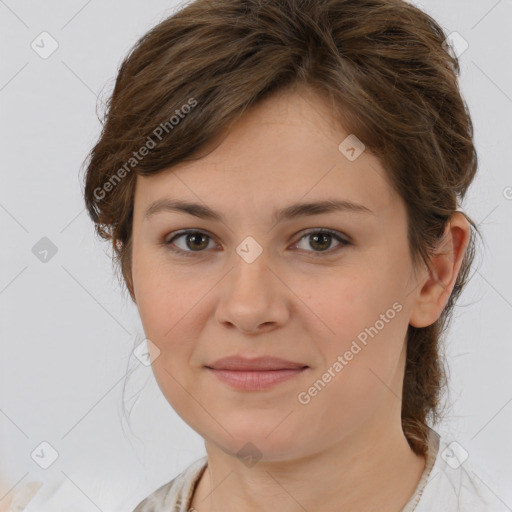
253	297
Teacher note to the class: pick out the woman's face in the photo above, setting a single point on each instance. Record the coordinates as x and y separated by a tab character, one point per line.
256	283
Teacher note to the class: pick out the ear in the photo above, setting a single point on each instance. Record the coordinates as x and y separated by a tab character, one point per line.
433	293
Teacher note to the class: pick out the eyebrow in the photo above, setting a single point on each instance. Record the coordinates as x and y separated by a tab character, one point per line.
289	212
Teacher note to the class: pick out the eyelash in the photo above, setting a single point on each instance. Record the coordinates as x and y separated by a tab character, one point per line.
334	234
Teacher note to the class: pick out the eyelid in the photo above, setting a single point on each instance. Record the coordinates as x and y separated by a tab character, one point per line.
343	240
168	241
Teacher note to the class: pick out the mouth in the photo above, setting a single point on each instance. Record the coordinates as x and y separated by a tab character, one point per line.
255	374
240	363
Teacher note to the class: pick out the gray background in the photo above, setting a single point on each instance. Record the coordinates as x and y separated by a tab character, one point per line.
68	330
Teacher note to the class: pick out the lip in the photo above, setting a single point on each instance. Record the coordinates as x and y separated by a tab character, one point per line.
254	374
239	363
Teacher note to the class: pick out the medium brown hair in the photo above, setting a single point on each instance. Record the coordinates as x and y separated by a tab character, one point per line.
383	66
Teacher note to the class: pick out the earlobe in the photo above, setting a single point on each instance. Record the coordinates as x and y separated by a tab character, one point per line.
433	294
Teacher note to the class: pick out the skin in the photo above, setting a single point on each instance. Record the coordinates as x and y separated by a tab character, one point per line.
345	449
6	500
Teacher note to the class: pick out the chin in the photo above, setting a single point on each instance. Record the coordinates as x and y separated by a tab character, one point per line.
265	443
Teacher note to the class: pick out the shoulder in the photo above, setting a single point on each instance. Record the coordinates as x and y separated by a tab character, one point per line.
455	483
170	496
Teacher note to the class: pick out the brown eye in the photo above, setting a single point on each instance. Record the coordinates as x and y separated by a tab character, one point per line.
321	240
194	241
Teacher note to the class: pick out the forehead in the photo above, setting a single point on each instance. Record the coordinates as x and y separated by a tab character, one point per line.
285	149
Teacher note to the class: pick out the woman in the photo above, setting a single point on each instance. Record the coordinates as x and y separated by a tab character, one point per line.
280	182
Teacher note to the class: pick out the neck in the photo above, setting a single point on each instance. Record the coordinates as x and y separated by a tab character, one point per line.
368	470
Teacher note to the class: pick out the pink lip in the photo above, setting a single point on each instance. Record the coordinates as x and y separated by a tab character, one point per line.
255	380
240	363
254	374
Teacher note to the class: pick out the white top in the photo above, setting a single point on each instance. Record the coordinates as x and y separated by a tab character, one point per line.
449	483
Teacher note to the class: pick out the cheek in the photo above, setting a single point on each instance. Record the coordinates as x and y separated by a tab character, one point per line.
366	325
171	324
345	305
159	294
363	376
346	402
171	308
